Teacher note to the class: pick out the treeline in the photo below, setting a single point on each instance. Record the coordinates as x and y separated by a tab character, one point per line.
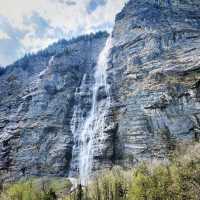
56	48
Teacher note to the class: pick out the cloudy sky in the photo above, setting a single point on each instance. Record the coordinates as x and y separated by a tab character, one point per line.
29	25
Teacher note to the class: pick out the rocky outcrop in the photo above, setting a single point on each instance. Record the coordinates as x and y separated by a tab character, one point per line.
37	97
154	74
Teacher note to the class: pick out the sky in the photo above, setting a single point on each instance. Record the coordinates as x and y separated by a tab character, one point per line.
30	25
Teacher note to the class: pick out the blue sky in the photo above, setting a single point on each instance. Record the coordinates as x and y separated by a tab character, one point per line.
31	25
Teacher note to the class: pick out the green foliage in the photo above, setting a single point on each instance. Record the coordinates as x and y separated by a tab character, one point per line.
151	185
35	189
178	179
110	185
27	191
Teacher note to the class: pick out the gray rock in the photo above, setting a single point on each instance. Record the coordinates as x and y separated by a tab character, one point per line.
37	97
101	94
154	73
154	78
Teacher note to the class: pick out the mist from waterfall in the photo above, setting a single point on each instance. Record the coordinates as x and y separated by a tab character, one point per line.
90	132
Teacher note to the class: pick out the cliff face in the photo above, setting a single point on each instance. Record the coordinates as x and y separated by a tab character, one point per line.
154	74
37	97
153	89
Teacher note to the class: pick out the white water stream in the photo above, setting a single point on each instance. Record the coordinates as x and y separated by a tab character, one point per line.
90	132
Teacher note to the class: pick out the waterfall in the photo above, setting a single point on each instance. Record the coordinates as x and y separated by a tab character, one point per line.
51	60
89	135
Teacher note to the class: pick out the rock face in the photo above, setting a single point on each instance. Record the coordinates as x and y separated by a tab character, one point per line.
37	97
153	75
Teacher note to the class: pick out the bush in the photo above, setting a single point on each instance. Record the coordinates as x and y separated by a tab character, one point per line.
177	180
35	190
110	185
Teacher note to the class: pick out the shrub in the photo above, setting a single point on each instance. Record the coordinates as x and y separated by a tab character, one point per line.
36	189
112	185
178	179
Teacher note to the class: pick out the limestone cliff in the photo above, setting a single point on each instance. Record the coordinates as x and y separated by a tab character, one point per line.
36	107
153	89
154	73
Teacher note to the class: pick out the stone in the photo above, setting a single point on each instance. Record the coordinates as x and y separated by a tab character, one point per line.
153	75
37	96
154	72
101	94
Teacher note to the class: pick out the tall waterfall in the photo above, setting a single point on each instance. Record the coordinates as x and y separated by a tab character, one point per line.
89	135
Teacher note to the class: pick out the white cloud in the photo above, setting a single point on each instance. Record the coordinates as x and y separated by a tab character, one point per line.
65	18
4	36
34	44
104	13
